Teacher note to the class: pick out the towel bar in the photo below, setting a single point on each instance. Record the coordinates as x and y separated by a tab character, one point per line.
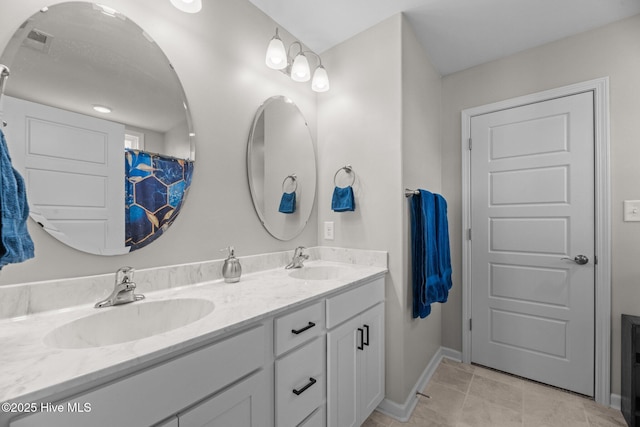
408	192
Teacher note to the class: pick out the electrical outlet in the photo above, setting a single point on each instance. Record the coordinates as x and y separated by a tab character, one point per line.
632	210
328	230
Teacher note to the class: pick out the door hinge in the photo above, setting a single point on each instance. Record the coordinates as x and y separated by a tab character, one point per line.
469	233
595	260
470	324
470	144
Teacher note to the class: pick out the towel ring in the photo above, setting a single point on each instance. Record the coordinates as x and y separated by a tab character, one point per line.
349	170
294	181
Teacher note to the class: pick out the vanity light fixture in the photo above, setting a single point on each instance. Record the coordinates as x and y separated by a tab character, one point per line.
189	6
279	58
102	109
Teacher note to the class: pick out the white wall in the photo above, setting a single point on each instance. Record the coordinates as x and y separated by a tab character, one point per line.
381	116
614	51
219	57
421	168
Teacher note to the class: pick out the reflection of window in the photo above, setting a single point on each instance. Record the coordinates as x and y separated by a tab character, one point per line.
133	140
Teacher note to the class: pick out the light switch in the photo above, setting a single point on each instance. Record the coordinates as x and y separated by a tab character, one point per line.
328	230
631	210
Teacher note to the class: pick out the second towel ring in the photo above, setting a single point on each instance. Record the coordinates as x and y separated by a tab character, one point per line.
294	182
349	170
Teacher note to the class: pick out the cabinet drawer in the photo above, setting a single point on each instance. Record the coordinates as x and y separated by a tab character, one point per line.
156	393
316	419
298	327
300	383
346	305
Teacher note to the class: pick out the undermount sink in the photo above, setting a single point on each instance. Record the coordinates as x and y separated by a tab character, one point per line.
128	322
321	272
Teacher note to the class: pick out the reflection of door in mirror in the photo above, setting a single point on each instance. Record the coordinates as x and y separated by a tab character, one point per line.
73	168
77	57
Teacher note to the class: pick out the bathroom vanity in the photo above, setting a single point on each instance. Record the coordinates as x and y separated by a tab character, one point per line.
301	347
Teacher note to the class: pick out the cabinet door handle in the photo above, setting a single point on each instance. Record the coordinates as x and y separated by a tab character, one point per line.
299	331
367	340
361	345
311	382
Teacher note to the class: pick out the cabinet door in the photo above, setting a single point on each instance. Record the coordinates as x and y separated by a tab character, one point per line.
243	405
371	363
342	386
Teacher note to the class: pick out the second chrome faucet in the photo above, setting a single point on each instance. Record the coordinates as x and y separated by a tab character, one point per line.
298	258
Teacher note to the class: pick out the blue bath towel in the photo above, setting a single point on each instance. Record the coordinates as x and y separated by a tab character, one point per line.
444	252
15	243
431	261
288	203
343	199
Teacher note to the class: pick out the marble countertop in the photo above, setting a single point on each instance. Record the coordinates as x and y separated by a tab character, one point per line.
31	371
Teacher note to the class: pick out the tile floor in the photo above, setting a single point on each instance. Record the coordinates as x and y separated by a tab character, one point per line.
471	396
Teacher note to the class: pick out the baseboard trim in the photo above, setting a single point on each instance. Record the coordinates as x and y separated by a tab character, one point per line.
616	401
402	411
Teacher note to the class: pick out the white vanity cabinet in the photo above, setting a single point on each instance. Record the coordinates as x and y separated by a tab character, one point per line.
355	354
318	364
154	394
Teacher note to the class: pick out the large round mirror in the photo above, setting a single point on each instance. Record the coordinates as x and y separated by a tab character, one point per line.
281	165
98	124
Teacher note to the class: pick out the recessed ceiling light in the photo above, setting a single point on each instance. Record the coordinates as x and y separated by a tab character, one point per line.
102	109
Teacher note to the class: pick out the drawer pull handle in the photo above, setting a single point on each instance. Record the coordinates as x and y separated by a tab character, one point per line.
361	345
366	342
299	331
312	381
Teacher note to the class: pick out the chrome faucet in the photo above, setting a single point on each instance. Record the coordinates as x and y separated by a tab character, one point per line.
123	291
298	258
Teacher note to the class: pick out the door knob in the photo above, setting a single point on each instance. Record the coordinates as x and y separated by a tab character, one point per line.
579	259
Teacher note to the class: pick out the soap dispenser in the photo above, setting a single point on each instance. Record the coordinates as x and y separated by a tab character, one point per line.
231	269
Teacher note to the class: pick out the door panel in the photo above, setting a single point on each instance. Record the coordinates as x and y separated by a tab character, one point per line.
532	185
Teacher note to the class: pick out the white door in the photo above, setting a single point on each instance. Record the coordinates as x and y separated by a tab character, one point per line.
532	192
73	166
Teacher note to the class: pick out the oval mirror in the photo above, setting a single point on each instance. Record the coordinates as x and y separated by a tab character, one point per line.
281	164
98	124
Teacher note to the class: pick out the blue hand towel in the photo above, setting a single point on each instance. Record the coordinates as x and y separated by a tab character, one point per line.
288	203
343	199
15	243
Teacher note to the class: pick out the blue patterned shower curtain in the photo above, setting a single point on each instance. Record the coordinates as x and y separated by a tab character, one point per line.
155	189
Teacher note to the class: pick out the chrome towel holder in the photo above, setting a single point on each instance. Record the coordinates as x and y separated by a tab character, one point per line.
294	182
349	170
409	193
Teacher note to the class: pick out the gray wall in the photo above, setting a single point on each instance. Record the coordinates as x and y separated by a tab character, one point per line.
219	57
614	51
381	116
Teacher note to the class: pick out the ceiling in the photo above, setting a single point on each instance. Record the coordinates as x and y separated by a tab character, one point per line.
456	34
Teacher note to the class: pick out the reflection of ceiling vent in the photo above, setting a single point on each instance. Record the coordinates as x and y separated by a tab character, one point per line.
38	40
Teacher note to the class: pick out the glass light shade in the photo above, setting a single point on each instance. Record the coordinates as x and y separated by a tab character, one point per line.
276	54
320	82
300	69
189	6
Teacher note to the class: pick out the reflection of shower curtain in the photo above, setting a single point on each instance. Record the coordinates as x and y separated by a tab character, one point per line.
155	188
